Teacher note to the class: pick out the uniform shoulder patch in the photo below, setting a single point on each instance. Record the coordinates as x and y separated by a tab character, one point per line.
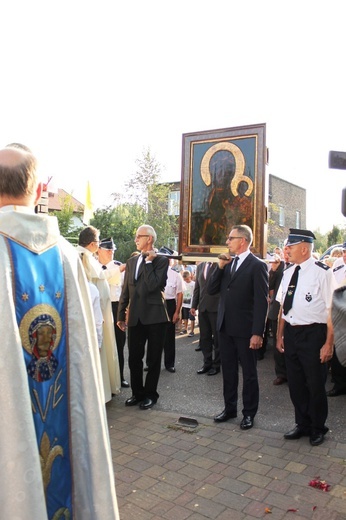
338	267
321	264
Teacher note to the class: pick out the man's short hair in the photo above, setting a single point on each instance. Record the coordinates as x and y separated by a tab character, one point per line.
20	179
88	235
150	231
244	231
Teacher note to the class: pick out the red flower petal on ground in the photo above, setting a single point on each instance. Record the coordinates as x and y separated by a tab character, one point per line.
319	484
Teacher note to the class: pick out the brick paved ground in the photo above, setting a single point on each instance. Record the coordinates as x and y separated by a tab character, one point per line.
165	471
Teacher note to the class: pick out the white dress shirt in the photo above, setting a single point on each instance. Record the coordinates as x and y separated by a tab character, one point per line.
313	294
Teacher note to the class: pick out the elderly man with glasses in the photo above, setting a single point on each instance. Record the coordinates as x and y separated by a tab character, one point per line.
142	308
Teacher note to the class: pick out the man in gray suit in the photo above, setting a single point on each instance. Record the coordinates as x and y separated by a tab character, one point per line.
143	309
207	313
243	306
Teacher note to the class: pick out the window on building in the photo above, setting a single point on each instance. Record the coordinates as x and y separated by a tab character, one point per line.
298	219
281	216
173	202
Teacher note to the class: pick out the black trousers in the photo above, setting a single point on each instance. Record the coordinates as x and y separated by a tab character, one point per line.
306	374
169	345
138	336
232	351
209	340
120	338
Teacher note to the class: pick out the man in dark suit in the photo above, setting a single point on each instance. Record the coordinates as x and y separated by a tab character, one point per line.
207	313
243	286
142	308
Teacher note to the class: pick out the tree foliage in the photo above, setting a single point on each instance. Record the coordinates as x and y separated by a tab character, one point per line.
335	236
120	223
65	217
145	202
321	242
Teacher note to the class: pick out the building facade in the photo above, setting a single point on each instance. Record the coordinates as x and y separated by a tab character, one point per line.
286	209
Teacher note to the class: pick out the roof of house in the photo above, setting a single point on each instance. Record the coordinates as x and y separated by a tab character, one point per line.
55	200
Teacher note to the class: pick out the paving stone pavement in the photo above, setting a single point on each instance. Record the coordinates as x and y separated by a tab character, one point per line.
166	470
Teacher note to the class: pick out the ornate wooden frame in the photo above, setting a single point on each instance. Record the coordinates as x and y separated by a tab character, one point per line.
223	183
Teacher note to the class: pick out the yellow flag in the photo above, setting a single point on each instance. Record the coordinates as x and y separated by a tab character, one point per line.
88	207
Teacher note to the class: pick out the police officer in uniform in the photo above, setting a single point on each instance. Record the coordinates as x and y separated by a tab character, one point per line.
305	335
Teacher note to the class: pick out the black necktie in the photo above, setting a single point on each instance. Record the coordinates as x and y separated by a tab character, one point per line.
288	302
234	265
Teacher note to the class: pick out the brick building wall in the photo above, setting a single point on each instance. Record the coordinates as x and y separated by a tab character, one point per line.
287	209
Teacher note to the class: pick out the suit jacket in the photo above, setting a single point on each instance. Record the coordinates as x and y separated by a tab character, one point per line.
243	304
144	298
201	298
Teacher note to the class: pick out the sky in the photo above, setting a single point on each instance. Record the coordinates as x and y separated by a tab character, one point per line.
89	86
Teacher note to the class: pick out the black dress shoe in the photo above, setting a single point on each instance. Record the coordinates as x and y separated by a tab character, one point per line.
203	370
125	384
224	416
198	349
213	371
316	438
296	433
132	401
170	369
246	423
334	392
146	404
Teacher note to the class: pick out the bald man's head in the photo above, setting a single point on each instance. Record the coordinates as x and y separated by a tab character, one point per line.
18	176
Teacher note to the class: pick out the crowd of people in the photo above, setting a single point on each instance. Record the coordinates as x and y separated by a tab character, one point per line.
240	301
69	312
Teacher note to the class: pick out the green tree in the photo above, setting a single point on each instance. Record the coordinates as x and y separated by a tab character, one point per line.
65	218
145	201
321	242
120	223
335	236
149	198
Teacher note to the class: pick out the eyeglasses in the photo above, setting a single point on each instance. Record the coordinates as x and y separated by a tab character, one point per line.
141	236
232	238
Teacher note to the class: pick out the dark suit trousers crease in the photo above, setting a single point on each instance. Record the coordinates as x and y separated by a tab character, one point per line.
209	340
169	345
138	336
120	338
233	350
306	374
